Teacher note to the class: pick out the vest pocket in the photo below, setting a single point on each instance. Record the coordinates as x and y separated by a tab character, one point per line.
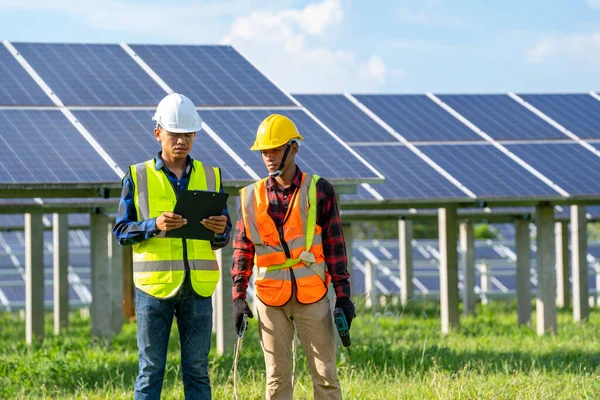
164	206
154	278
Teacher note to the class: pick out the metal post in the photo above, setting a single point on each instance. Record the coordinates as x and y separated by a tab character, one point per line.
467	248
563	287
115	255
406	260
370	290
60	260
579	263
448	268
546	271
34	278
484	282
523	251
100	266
226	336
127	270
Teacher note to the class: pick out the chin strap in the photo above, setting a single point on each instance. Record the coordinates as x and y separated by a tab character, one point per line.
282	165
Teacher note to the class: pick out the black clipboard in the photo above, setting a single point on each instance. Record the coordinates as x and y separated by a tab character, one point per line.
195	205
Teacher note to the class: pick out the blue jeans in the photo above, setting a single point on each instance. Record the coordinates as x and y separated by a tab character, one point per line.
154	319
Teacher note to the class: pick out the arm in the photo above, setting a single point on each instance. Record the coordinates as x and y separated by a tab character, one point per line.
128	230
243	259
334	247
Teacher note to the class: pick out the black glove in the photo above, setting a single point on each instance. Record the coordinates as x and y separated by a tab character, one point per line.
347	307
240	307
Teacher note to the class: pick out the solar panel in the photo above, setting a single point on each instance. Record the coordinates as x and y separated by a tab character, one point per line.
502	117
47	149
126	135
486	171
579	113
571	166
407	176
319	153
18	88
344	118
361	194
92	74
417	118
212	75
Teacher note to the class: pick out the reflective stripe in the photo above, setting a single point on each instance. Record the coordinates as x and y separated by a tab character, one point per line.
166	265
158	266
211	179
251	220
299	273
279	275
204	265
298	243
141	190
315	269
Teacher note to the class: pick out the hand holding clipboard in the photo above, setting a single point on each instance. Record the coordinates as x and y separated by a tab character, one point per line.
196	206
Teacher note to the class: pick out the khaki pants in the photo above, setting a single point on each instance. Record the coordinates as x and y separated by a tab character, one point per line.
315	331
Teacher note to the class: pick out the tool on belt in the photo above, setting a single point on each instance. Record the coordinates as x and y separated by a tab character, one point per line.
238	347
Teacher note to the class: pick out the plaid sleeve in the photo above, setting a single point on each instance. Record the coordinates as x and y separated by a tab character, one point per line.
334	247
243	259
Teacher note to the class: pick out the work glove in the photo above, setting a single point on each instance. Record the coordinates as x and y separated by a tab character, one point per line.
347	307
240	307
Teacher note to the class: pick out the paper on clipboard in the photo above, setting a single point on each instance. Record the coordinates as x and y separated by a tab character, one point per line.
195	205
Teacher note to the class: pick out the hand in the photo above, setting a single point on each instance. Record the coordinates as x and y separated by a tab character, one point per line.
216	223
168	221
347	307
240	307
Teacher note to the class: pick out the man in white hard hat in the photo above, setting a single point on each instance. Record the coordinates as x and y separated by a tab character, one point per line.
172	276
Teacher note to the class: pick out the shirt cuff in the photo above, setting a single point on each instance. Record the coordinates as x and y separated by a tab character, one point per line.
152	230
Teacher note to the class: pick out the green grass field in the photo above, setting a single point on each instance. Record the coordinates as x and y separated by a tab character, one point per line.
395	354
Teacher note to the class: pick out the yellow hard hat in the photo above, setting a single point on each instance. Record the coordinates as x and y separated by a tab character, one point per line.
276	130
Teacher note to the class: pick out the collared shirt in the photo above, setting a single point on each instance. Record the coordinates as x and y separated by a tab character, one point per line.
328	218
129	231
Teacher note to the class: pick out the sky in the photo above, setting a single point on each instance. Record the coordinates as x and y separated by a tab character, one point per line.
334	46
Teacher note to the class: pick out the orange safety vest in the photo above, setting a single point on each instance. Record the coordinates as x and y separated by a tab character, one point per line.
305	263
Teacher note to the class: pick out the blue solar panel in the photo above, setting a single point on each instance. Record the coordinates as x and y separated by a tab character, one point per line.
344	118
417	118
92	74
579	113
212	75
571	166
486	171
361	194
127	137
320	153
407	176
48	149
18	88
502	117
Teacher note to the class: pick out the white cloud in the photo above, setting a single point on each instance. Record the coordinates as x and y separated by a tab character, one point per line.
430	19
285	46
578	47
593	3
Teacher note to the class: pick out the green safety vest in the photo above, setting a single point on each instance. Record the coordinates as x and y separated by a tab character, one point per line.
158	266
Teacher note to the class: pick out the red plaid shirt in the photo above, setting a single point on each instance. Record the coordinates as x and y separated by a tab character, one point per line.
328	218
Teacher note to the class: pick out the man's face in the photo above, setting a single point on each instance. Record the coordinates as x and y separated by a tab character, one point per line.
272	157
175	145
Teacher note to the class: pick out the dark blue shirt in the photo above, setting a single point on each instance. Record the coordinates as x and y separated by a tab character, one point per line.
129	231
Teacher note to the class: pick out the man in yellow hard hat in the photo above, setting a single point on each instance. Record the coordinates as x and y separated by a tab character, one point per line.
290	228
173	277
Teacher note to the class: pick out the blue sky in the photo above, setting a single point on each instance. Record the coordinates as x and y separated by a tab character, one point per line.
324	46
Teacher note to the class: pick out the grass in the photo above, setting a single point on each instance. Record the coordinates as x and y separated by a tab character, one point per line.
397	353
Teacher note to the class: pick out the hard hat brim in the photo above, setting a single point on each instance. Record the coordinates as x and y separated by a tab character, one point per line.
257	147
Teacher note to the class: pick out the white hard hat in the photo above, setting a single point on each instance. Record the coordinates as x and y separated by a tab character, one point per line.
176	113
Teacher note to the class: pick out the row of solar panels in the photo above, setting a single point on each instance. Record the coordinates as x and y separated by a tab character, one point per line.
453	148
498	255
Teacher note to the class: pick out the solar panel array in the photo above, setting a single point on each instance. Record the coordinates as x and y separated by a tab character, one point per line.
112	91
488	147
498	256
